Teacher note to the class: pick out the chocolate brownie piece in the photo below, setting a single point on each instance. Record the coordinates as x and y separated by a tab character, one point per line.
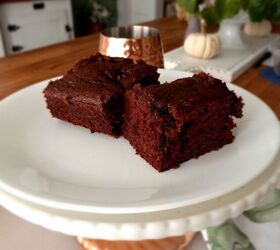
91	93
95	106
122	71
171	123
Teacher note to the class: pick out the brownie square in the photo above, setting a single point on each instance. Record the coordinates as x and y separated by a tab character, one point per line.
91	93
122	71
94	106
171	123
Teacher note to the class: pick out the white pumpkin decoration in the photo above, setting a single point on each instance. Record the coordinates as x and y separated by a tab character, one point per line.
202	45
262	28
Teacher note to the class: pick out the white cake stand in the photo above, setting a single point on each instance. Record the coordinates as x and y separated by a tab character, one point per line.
114	196
150	225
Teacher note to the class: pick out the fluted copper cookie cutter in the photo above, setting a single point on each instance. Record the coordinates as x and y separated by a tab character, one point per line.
135	42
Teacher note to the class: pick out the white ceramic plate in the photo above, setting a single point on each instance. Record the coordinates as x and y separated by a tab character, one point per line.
56	164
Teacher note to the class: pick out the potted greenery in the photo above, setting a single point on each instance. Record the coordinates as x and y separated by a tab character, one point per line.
214	13
198	43
225	14
229	16
261	13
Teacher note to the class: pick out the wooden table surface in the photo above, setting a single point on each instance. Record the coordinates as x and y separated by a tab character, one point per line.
24	69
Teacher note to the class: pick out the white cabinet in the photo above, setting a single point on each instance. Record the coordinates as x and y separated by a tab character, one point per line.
34	24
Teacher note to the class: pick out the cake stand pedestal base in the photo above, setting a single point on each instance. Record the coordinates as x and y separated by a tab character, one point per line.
171	243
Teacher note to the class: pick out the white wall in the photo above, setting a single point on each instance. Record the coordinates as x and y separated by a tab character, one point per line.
2	53
137	11
146	10
124	12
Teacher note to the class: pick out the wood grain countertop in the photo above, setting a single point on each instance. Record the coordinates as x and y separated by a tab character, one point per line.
19	71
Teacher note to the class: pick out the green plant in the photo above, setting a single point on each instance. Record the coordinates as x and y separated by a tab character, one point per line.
191	6
222	9
214	13
259	10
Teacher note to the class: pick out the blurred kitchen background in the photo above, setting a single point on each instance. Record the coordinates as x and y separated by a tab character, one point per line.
26	25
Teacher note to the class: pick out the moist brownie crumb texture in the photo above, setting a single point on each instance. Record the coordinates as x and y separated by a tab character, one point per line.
167	124
174	122
91	93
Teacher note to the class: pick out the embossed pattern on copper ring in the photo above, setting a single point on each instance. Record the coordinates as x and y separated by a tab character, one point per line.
135	42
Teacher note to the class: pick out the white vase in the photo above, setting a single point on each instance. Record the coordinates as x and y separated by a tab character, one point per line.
231	34
193	26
